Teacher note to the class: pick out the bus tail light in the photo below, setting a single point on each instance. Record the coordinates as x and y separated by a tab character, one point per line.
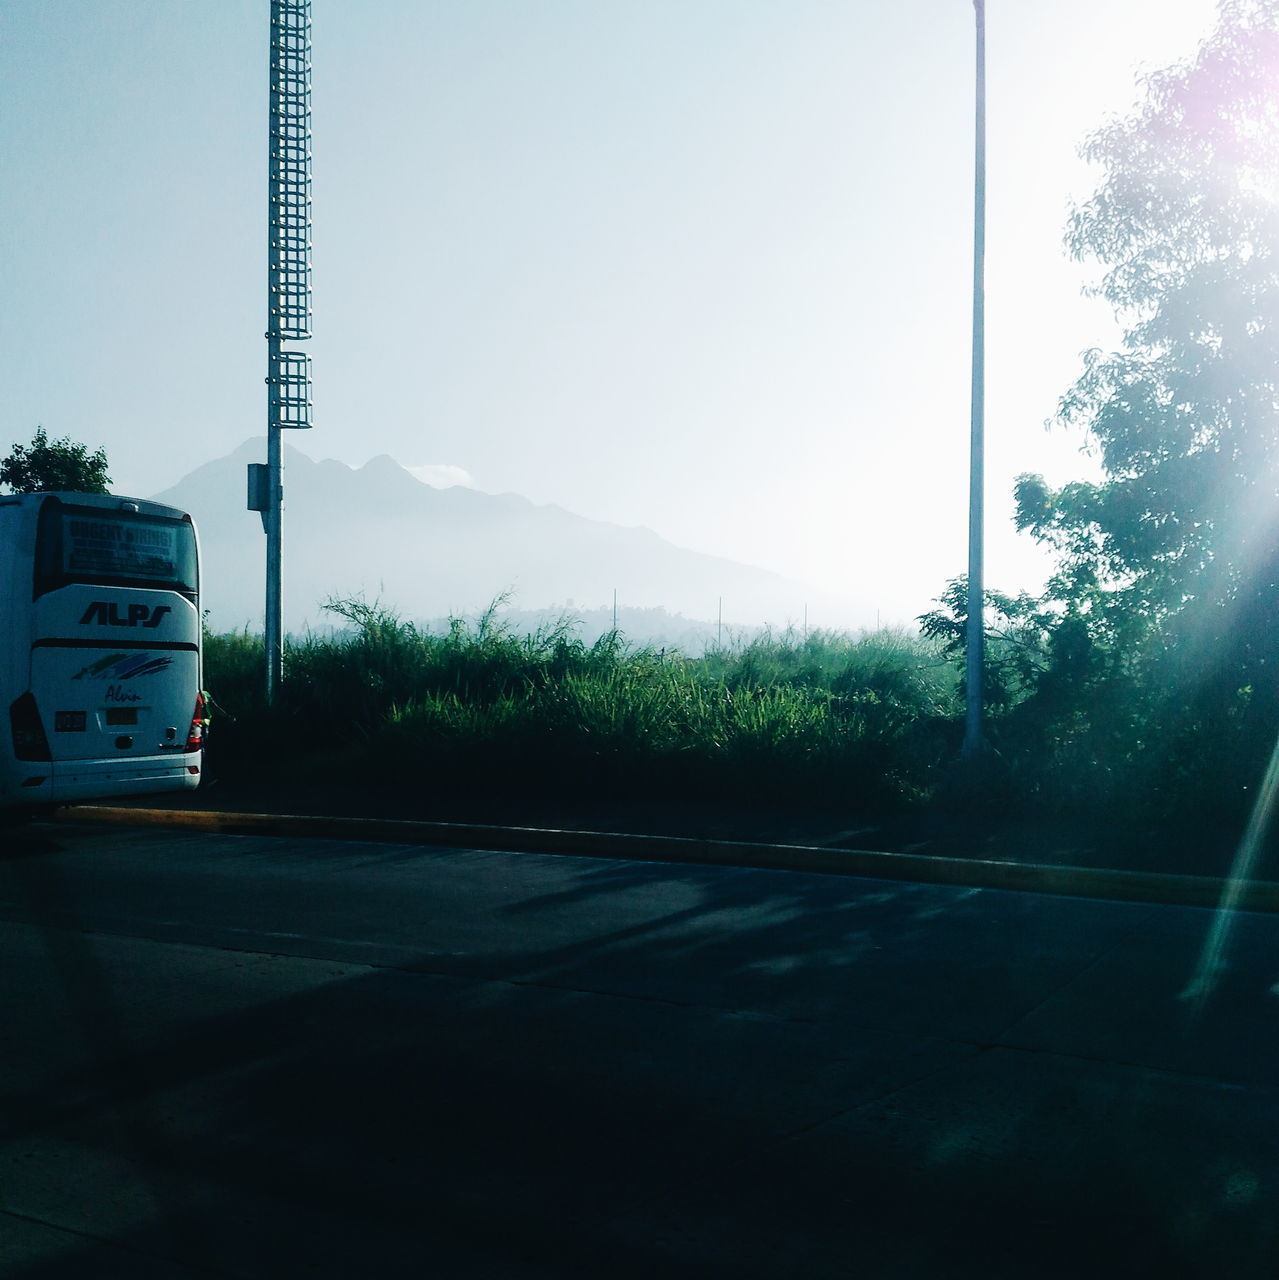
29	741
195	734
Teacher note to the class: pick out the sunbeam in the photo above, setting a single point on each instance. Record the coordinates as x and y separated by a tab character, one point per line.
1204	980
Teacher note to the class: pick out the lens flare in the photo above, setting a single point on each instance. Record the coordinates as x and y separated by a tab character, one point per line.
1211	960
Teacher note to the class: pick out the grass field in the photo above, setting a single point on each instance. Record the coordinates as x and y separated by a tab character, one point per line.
781	719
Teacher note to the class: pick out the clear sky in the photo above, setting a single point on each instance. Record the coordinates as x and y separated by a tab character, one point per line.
701	265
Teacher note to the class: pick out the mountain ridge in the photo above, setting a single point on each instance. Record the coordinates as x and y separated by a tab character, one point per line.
378	531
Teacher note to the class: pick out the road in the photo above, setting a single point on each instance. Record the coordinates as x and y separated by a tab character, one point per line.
243	1056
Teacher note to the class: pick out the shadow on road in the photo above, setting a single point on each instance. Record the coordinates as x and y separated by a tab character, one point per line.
733	1073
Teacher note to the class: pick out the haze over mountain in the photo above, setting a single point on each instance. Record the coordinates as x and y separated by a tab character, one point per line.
379	532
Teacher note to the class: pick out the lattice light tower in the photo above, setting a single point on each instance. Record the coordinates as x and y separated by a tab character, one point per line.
289	291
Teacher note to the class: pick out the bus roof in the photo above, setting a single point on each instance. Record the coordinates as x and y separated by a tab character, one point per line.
106	501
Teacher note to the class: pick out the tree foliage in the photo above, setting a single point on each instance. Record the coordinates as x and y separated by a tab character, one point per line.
1184	227
1147	669
52	465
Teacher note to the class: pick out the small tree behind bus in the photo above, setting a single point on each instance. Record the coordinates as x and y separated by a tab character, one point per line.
52	466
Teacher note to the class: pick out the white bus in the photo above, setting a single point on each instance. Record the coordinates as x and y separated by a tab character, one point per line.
100	649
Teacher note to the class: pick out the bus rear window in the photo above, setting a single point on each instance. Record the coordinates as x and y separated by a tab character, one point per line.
92	544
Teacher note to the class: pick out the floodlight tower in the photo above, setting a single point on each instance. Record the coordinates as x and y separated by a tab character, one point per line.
288	290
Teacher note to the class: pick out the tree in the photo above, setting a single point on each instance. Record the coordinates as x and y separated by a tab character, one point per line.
1148	666
1018	637
1185	417
1168	568
51	465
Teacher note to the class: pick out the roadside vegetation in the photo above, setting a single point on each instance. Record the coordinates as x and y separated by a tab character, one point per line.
822	719
1138	740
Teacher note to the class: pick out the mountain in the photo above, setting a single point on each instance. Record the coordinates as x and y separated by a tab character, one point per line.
428	553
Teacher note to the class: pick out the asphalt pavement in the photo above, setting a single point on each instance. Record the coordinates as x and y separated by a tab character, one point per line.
251	1056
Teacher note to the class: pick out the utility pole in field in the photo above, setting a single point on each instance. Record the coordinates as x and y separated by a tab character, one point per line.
976	478
288	292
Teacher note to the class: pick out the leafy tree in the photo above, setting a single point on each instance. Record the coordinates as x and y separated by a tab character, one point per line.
1185	417
1148	667
51	465
1018	636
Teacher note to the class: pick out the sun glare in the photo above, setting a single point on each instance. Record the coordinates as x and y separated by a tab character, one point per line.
1203	982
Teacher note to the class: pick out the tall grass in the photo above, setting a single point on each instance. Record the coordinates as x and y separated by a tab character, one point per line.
780	719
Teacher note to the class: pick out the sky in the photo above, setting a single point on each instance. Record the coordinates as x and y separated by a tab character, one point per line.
699	265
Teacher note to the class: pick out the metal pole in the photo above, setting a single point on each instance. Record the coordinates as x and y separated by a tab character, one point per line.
288	291
976	469
273	522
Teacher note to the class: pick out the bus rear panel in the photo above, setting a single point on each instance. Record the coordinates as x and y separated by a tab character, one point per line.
100	649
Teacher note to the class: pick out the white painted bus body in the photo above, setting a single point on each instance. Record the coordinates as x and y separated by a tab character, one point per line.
100	649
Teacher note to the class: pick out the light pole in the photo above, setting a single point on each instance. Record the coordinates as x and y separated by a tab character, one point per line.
288	293
976	466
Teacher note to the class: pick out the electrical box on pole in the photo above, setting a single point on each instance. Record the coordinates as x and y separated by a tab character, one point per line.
260	489
288	291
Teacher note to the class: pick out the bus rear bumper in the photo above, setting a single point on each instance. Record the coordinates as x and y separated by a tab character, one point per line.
71	781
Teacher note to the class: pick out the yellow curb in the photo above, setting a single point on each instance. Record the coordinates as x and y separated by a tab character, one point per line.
1080	882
